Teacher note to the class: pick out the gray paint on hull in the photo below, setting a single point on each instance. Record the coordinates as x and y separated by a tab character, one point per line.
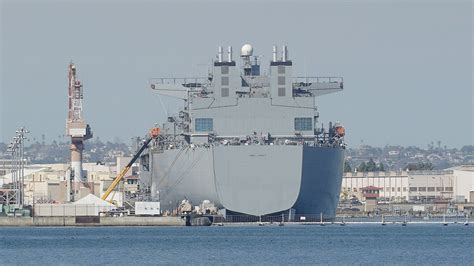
321	181
185	173
257	180
254	180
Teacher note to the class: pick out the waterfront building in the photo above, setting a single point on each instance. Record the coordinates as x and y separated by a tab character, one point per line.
454	185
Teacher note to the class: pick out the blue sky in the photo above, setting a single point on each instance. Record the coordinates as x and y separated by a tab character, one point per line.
407	65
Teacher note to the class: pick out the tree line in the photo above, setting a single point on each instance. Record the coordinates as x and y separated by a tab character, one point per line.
369	166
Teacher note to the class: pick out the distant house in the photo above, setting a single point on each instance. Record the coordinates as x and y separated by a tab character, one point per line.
394	153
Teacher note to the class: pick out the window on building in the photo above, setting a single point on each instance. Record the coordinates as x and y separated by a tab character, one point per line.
224	69
281	81
355	189
431	189
281	91
448	188
203	124
281	69
439	188
224	92
421	188
225	81
398	189
393	189
303	123
381	189
404	189
413	189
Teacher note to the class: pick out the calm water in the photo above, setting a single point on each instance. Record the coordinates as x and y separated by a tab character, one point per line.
298	244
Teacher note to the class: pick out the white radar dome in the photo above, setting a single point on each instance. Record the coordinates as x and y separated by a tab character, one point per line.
246	50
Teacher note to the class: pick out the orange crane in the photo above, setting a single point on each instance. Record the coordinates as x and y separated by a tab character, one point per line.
154	132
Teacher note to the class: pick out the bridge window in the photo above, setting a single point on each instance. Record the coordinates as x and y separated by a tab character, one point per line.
224	92
303	123
224	69
281	91
281	80
225	81
203	124
281	69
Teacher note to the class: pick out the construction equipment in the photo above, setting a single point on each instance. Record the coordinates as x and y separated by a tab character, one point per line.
154	132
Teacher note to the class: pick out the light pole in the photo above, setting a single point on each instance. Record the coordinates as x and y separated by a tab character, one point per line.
16	148
13	148
21	134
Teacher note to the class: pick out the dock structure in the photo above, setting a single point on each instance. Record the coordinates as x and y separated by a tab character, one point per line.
92	221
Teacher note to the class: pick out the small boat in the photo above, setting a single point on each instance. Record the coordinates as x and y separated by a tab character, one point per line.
282	222
405	221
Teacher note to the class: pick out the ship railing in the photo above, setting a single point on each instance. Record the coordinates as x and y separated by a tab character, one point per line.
340	218
316	86
309	80
275	218
191	82
310	141
251	219
399	218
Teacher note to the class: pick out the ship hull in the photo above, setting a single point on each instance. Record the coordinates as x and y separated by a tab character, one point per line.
250	179
320	181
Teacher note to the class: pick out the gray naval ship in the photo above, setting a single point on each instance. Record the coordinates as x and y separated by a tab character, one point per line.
247	140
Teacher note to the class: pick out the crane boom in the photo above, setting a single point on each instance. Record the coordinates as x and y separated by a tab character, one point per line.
153	134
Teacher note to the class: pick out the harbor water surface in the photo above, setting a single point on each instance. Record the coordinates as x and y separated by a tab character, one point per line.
271	244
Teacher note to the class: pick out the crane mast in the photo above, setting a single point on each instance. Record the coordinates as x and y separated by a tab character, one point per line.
76	127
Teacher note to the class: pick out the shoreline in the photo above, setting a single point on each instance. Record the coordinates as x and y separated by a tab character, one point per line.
95	221
90	221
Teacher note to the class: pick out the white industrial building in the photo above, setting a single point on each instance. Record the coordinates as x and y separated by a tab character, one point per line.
453	184
47	182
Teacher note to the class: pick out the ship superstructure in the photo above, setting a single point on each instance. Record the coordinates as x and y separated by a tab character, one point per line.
248	140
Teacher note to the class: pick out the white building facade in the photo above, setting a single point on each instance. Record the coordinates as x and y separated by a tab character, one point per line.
454	184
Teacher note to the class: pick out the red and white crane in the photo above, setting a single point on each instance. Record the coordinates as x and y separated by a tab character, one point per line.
76	127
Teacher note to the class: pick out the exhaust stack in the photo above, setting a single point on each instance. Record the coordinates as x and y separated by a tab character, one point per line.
229	54
274	53
284	54
219	55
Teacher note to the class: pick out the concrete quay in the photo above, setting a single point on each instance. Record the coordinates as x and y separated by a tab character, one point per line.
91	221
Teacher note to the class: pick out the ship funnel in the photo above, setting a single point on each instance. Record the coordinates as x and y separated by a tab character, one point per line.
274	53
284	54
219	55
229	54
